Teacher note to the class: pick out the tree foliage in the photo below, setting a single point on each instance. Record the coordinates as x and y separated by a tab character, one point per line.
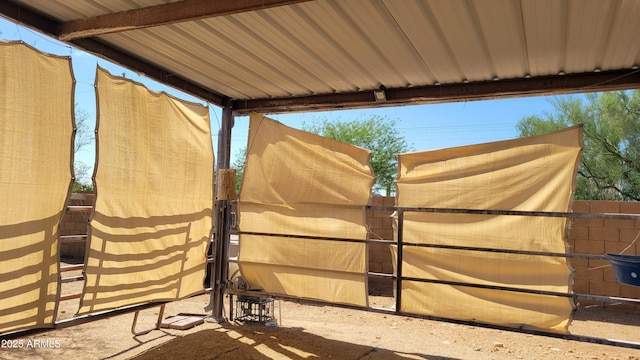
83	138
610	165
238	164
378	134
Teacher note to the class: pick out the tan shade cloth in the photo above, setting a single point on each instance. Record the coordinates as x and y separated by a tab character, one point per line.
297	183
154	187
528	174
36	129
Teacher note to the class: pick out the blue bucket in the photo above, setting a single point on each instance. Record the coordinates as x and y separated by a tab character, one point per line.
626	268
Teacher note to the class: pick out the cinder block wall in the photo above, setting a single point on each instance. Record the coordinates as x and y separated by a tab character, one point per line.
380	227
603	236
75	223
585	236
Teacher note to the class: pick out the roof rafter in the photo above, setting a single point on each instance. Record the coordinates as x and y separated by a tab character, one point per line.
617	76
482	90
171	13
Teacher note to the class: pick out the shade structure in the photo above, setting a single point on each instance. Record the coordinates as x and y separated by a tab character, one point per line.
154	193
302	218
534	174
36	139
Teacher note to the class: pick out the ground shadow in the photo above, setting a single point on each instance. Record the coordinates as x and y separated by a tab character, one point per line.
253	341
609	314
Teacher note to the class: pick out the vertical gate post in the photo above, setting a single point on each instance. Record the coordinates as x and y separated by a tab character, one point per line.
220	266
399	260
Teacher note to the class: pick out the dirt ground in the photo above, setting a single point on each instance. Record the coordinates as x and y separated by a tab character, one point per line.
308	331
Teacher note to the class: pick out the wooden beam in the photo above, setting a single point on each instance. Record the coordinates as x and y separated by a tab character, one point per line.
165	14
482	90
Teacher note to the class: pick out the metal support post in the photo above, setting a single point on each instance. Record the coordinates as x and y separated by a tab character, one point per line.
399	261
220	266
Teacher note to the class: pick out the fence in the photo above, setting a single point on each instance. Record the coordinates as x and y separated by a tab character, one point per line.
600	236
585	236
75	223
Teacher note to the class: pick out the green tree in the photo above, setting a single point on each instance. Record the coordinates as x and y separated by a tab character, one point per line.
84	137
238	164
378	134
610	165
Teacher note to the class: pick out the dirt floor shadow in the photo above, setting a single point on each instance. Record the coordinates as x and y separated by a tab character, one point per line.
610	315
258	342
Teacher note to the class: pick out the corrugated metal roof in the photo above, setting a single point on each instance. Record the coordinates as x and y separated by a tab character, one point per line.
324	47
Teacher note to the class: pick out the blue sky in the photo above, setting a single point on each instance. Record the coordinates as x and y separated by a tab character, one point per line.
425	127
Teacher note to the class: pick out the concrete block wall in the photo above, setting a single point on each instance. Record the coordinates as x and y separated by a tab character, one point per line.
603	236
75	223
380	227
380	260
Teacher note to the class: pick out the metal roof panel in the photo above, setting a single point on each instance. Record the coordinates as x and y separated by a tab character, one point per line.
324	47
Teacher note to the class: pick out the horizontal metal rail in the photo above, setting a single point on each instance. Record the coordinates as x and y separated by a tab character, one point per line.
575	215
507	251
67	239
603	298
381	275
312	237
70	296
72	278
523	290
297	236
617	216
381	241
438	246
79	208
72	267
81	196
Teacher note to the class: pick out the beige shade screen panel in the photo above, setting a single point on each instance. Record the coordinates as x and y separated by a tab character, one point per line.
36	130
528	174
312	192
154	196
